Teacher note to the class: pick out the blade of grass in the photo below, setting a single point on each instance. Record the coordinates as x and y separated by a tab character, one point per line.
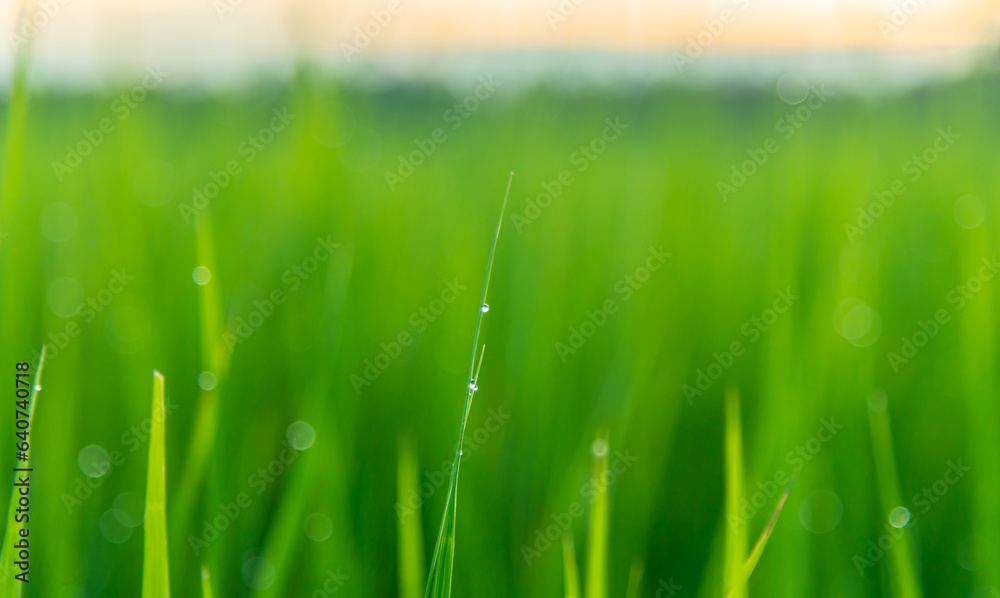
634	589
410	531
597	524
758	549
903	574
571	573
439	579
155	570
206	583
10	586
736	535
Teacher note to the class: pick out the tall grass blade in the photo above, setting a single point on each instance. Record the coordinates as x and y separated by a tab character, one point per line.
903	576
597	525
155	571
571	573
758	549
409	528
634	589
439	580
10	586
736	535
206	583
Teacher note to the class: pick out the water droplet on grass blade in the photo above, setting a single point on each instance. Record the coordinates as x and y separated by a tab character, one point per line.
899	517
206	380
201	275
300	435
473	386
485	308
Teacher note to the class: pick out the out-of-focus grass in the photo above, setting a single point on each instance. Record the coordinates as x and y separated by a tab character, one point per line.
654	185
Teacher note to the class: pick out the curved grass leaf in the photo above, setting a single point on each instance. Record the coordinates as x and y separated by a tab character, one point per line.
736	535
10	586
571	573
597	525
439	579
155	570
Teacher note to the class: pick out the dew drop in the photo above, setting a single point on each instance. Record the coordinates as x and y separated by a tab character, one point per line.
300	435
206	380
899	517
38	387
201	275
473	386
485	308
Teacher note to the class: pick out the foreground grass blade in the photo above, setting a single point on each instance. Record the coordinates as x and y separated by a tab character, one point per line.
439	580
736	535
410	532
597	526
571	573
10	586
155	571
903	575
634	589
206	583
758	549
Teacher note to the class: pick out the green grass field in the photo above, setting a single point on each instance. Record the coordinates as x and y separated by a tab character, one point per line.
623	306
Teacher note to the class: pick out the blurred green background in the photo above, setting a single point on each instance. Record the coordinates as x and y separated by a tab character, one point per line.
334	506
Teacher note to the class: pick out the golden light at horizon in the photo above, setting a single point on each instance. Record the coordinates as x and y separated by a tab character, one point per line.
194	34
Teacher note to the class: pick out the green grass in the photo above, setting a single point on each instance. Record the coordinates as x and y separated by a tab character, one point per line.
155	559
442	563
655	185
14	577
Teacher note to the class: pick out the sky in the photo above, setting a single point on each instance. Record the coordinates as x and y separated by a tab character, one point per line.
85	41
